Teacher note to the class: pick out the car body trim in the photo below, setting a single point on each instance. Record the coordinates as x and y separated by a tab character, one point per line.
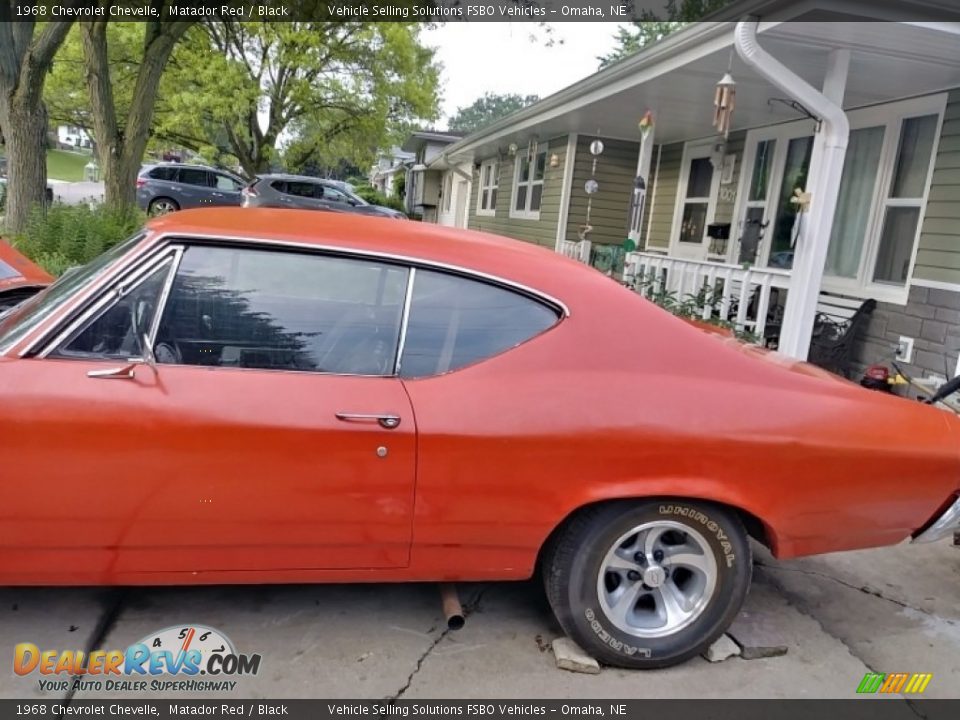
405	320
943	526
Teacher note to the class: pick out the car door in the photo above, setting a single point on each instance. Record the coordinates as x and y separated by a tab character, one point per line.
271	435
194	188
226	190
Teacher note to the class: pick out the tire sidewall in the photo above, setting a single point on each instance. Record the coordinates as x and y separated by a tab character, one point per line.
726	539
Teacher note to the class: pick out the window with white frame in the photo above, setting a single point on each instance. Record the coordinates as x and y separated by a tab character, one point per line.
489	181
880	203
529	171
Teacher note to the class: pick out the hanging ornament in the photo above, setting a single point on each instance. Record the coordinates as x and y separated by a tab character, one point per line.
724	101
596	147
591	186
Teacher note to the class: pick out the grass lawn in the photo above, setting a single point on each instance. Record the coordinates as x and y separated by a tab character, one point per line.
66	165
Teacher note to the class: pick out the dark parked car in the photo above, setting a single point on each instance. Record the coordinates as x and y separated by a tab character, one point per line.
172	186
309	193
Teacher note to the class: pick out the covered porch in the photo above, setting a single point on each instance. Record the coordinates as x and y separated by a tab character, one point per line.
762	226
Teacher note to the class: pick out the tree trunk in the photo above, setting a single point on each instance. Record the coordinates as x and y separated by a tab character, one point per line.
25	133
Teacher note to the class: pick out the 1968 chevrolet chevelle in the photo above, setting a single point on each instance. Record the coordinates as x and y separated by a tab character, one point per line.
261	396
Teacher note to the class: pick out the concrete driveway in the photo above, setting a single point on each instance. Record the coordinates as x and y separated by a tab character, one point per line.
839	617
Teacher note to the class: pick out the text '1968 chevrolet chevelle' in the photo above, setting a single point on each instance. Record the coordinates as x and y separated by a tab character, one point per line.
277	396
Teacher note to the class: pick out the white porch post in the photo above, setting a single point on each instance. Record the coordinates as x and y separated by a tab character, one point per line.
823	180
643	170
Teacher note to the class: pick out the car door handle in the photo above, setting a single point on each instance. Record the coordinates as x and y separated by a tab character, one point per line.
385	420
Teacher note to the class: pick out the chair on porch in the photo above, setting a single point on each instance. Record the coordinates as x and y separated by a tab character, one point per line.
835	331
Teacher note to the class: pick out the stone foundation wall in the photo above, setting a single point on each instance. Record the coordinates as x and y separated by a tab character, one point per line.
931	317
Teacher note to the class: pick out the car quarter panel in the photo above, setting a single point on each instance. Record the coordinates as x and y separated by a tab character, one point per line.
621	400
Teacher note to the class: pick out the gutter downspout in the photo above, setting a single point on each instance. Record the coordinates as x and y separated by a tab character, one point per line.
823	179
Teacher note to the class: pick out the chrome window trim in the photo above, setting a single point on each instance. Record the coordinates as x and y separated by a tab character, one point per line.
393	257
123	263
409	261
126	284
404	320
165	293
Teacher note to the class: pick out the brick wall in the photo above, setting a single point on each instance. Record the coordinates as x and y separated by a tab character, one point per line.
931	317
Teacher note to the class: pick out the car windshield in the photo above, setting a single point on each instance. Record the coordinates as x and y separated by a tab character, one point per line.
23	318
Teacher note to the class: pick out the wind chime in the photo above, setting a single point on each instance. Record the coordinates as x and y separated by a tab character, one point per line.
724	101
635	216
591	187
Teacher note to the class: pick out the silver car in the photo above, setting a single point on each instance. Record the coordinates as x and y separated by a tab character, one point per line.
309	193
173	186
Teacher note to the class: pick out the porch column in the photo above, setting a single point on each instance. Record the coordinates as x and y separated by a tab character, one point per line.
810	253
643	170
823	178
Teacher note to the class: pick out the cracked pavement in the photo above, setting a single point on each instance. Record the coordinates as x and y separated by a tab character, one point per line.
842	615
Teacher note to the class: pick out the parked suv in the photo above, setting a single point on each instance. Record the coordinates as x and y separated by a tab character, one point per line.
173	186
309	193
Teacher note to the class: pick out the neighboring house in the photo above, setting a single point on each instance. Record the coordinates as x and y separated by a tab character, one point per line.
719	212
383	176
72	136
425	177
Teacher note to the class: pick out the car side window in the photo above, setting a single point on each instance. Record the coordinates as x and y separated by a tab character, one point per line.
224	182
301	189
194	176
163	173
332	194
280	310
456	321
113	332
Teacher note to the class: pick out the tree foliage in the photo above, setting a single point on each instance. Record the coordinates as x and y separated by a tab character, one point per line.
487	109
320	91
653	28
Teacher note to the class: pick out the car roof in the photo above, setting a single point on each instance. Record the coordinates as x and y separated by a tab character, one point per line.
306	178
513	260
191	166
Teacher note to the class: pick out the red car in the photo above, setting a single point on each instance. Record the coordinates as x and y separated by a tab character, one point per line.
277	396
19	277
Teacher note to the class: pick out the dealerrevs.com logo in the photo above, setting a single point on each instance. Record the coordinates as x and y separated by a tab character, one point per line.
177	658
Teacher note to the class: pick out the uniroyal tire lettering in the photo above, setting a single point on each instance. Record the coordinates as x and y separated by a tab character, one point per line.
608	639
711	525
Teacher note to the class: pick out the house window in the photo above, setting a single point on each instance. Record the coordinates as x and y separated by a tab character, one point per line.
904	202
693	224
528	185
489	180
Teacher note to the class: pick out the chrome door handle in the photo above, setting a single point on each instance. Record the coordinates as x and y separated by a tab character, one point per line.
385	420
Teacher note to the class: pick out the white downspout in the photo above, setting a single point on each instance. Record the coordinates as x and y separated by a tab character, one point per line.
823	179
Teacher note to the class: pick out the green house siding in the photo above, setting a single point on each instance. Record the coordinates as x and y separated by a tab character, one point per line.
938	255
542	231
616	170
664	196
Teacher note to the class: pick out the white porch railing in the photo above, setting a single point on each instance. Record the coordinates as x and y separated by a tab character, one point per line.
731	292
576	250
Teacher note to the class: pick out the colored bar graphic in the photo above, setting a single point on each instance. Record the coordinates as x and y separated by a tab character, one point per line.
894	683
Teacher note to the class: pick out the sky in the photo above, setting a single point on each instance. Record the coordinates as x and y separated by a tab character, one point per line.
481	57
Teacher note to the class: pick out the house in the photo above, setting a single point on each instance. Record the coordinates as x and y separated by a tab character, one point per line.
72	136
837	182
390	165
424	183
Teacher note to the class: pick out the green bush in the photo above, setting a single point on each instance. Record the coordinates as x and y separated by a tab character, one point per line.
375	197
66	235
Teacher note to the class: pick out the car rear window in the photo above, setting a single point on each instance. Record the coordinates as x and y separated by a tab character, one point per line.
7	272
456	321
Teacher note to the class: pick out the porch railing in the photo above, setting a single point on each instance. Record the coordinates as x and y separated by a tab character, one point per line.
730	292
576	250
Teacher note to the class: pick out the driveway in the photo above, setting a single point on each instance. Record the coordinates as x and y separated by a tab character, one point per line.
839	617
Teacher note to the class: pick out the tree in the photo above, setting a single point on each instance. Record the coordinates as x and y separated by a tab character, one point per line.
26	52
487	109
121	129
320	92
652	28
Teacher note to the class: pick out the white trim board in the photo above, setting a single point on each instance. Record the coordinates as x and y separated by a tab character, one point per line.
566	189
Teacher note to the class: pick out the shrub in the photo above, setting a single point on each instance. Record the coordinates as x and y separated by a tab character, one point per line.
375	197
68	235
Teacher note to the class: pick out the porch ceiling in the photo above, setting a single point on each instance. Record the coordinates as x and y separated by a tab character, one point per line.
889	61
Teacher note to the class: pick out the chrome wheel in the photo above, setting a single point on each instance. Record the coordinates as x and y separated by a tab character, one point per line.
656	579
162	207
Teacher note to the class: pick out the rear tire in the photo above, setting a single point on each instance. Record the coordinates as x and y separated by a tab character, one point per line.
648	584
162	206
